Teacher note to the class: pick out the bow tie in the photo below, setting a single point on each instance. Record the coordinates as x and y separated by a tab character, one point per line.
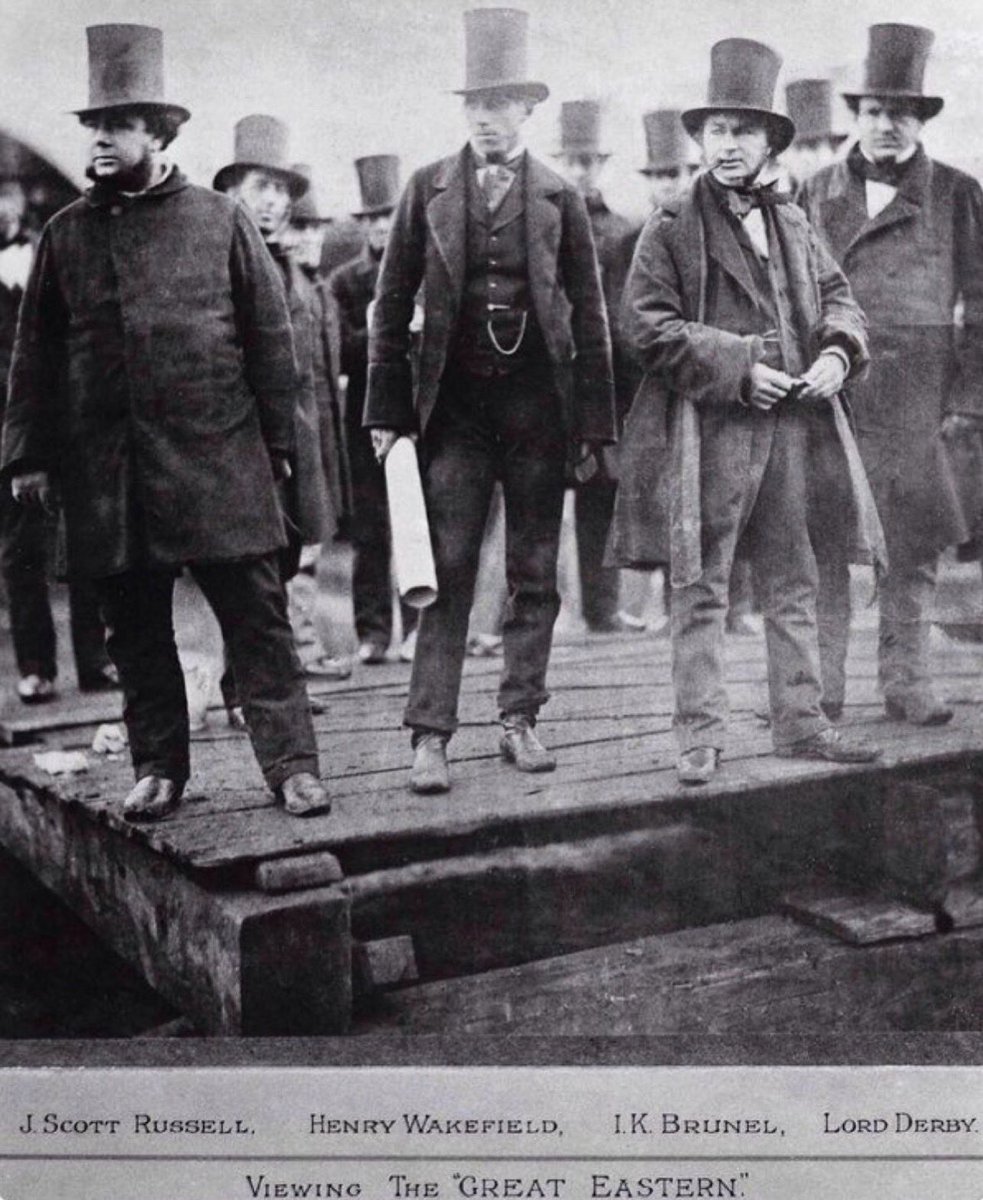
19	239
889	171
742	200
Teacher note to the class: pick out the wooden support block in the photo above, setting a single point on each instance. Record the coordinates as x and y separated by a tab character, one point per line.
861	920
384	963
930	839
298	872
767	975
237	962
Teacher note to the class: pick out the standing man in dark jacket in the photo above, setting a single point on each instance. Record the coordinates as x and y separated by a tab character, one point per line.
514	370
153	383
25	529
582	163
747	330
353	287
908	233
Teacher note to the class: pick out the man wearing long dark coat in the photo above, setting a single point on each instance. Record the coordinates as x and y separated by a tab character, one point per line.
514	370
153	382
747	330
908	233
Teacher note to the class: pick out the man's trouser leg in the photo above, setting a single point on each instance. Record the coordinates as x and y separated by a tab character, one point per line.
831	506
530	428
459	465
371	541
24	559
88	631
249	601
593	508
140	640
907	592
785	582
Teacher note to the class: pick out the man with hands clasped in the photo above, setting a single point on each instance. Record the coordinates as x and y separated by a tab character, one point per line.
747	330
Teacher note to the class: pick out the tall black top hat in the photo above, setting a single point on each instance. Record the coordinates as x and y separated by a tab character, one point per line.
580	128
666	143
378	183
126	68
742	79
496	53
261	142
895	67
810	107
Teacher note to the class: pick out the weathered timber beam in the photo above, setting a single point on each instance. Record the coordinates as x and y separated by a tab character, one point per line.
236	962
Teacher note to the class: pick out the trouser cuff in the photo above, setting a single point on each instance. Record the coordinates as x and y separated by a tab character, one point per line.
277	774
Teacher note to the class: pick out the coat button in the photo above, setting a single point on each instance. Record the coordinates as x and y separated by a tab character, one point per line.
115	210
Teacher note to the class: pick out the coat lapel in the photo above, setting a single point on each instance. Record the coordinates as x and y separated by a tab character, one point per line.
543	229
911	197
722	244
446	216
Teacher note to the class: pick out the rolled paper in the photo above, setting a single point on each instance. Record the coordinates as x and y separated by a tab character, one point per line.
416	576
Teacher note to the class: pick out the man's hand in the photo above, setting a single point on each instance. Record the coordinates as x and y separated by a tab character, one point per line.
768	386
383	441
33	487
586	463
955	427
824	379
282	469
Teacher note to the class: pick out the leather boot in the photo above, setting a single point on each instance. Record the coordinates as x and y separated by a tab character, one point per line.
519	745
430	774
304	795
152	798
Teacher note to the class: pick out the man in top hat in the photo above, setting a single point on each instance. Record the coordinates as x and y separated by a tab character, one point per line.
670	166
262	178
153	384
583	162
908	232
353	286
747	330
810	108
514	370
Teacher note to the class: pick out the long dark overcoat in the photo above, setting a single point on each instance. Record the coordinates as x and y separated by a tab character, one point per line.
153	375
427	245
908	267
692	366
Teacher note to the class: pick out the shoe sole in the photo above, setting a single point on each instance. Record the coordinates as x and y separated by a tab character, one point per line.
139	816
309	810
427	787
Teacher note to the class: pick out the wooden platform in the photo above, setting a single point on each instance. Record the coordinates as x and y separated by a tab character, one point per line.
247	919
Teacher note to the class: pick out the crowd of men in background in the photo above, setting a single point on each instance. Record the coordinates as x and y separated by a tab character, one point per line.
507	318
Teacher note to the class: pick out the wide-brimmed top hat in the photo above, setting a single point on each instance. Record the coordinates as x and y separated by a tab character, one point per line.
261	143
743	75
580	128
126	70
307	210
378	184
666	143
810	107
496	53
895	67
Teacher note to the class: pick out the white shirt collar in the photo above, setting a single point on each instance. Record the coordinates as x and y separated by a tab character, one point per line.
512	161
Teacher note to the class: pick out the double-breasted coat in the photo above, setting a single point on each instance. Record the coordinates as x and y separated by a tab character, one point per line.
427	246
153	376
909	266
693	368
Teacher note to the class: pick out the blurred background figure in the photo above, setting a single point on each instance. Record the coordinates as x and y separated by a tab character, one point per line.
352	286
27	531
671	161
582	161
810	106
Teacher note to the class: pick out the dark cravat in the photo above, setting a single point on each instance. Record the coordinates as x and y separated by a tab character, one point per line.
741	200
889	171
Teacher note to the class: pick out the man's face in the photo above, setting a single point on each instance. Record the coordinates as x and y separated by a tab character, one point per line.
806	158
267	196
309	243
377	231
494	120
13	206
735	147
667	186
887	128
584	171
121	149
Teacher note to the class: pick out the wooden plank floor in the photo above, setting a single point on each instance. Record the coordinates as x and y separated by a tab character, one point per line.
609	721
